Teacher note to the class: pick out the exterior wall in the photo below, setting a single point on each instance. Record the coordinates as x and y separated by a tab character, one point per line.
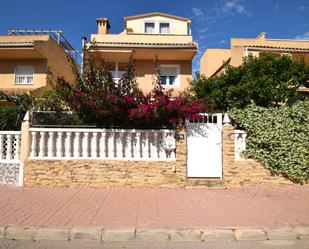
244	172
145	74
9	173
103	173
212	57
7	74
212	60
178	27
141	38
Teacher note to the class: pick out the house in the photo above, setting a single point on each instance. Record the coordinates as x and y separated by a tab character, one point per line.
146	37
27	57
214	60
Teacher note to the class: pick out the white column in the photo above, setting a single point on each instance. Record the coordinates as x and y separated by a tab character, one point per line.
17	144
138	153
119	145
42	144
162	153
173	152
155	145
94	144
85	146
102	149
1	146
77	144
59	144
111	142
33	144
145	149
68	147
50	144
128	145
8	147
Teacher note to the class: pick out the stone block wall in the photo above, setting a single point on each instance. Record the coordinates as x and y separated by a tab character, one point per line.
103	173
246	171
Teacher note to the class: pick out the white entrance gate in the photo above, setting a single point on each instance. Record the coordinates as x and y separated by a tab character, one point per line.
204	149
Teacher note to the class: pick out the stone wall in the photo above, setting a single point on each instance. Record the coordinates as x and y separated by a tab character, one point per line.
102	173
246	171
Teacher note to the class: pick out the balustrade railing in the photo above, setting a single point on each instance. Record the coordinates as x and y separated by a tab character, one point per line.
117	144
9	145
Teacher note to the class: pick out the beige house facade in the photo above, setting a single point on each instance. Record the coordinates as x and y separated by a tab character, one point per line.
29	62
146	37
214	60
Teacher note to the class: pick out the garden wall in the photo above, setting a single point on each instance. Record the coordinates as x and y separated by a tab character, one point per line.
103	173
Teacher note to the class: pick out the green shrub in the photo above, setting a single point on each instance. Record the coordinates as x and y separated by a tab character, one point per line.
278	137
10	118
266	81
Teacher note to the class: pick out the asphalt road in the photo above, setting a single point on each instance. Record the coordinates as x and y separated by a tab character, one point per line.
283	244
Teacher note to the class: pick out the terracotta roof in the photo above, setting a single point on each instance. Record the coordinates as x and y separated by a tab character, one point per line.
156	14
276	47
140	44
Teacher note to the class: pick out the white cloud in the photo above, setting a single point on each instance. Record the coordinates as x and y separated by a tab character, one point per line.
276	7
233	6
197	11
304	36
223	41
203	30
301	8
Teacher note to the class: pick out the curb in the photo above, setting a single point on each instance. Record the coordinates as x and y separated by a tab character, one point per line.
132	234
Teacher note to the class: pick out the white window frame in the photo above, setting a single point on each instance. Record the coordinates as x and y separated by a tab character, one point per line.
154	28
26	76
177	79
117	75
169	27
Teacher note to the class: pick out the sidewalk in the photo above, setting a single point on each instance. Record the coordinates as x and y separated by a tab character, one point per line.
245	207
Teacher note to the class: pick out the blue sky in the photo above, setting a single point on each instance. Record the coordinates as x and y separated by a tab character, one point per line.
214	22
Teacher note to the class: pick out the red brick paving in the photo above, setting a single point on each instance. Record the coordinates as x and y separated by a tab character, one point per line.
155	207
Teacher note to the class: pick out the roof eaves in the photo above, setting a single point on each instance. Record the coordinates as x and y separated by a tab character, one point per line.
156	14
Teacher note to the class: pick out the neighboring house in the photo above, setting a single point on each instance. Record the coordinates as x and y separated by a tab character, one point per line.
214	60
146	36
27	57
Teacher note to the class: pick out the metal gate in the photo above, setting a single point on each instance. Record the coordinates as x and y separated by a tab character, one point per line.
204	146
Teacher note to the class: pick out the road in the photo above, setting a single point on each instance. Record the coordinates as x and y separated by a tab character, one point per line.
283	244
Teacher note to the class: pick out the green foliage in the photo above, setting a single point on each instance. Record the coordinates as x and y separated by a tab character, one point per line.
278	137
10	118
25	101
266	81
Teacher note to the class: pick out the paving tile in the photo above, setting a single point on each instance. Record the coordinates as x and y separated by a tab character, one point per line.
186	235
218	234
302	232
152	235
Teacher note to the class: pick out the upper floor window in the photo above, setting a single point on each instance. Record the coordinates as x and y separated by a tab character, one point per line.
24	74
149	27
170	75
164	28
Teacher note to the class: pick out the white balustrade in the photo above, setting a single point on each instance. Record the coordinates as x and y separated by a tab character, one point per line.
239	144
9	146
116	144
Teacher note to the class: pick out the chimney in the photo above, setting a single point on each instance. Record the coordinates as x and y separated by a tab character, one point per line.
103	26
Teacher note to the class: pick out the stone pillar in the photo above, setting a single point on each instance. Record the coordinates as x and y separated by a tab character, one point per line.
25	143
227	145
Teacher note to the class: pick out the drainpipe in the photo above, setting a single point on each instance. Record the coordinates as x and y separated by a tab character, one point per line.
84	40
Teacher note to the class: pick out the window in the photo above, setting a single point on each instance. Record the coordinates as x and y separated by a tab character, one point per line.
149	27
24	74
117	70
164	28
169	75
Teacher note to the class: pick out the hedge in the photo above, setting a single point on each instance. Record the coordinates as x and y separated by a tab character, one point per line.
10	117
278	137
